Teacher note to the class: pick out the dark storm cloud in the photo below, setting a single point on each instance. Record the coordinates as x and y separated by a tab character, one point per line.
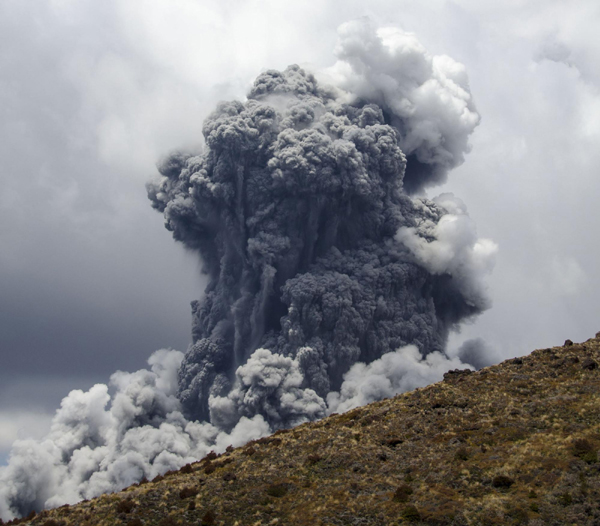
51	329
80	272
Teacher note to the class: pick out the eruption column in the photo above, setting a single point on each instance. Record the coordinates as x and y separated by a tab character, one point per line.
315	250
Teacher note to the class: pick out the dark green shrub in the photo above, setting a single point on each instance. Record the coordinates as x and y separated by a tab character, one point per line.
565	499
311	460
411	514
269	440
125	506
461	454
284	431
391	442
186	469
403	493
208	519
517	434
277	490
583	484
187	492
518	515
585	450
502	482
229	476
443	514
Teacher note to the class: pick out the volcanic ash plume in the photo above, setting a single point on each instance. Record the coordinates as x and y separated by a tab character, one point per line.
332	281
317	255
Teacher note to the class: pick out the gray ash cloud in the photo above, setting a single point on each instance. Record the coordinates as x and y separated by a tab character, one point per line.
314	248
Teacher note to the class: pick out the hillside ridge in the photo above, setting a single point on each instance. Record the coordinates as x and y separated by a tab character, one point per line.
514	443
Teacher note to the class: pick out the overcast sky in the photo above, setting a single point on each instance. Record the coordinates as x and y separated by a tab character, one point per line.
93	93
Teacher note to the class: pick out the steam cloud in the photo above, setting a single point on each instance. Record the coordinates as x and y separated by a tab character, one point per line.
425	97
98	443
331	284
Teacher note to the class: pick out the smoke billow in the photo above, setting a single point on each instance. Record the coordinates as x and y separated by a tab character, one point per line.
477	353
425	97
100	443
393	373
330	283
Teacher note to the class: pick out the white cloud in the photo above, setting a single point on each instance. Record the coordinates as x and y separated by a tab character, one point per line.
565	276
21	425
451	246
393	373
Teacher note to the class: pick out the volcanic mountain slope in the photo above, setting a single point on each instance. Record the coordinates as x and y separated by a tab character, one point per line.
516	443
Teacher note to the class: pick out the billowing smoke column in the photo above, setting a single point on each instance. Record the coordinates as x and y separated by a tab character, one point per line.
332	281
317	255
